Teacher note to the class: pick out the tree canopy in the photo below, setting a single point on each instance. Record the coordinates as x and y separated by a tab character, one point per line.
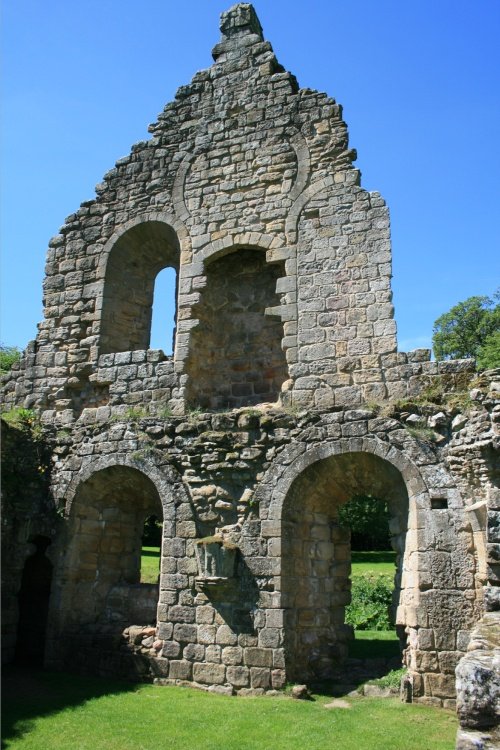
471	329
8	355
368	519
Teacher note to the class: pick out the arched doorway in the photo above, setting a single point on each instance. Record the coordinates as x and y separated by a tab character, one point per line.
316	558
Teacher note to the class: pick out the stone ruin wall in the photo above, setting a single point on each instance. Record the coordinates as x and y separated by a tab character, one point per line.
247	189
243	160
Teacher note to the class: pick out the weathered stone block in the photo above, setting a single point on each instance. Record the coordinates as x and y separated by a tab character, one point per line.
209	674
259	657
260	678
232	655
238	676
180	670
225	636
185	633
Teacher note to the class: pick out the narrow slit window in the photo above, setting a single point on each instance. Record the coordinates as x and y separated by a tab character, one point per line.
164	311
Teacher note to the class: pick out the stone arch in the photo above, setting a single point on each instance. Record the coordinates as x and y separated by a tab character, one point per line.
130	262
299	501
167	482
296	458
213	249
236	356
97	591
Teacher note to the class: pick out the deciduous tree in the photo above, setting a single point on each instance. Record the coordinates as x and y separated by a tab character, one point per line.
471	329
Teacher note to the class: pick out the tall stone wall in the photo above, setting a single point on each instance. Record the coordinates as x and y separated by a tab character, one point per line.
285	396
242	160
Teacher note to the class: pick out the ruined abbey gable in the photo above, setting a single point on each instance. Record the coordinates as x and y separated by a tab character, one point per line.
263	422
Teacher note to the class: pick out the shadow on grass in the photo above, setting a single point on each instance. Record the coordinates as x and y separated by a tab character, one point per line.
387	556
373	654
150	552
28	694
374	648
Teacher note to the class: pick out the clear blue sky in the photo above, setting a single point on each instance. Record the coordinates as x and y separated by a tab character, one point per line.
419	83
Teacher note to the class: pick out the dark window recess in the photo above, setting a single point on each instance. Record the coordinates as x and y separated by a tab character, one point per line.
439	503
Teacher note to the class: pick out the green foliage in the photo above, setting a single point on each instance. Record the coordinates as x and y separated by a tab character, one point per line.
134	413
368	519
8	356
165	412
194	413
151	536
390	680
143	453
22	419
488	355
467	330
371	599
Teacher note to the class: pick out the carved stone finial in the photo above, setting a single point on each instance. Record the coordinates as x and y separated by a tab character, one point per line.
240	19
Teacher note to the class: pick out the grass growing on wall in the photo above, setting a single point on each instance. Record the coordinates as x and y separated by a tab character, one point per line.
58	711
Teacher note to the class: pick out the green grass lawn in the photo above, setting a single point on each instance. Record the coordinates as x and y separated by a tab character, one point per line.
45	710
150	564
377	563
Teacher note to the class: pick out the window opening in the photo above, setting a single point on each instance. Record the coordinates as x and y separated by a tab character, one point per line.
236	356
133	283
163	321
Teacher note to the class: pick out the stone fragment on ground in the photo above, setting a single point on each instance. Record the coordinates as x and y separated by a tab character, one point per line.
301	692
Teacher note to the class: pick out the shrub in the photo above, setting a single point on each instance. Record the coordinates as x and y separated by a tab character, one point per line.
488	355
390	680
371	599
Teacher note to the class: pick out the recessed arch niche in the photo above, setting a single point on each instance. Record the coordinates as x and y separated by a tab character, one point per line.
100	574
236	356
